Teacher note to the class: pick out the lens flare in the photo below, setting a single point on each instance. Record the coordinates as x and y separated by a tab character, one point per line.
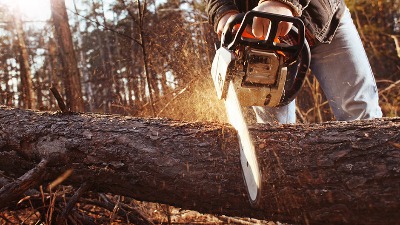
38	10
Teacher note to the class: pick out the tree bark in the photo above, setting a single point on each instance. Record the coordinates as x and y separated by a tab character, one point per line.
330	173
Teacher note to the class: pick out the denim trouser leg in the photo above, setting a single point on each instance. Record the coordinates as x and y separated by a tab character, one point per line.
284	114
344	73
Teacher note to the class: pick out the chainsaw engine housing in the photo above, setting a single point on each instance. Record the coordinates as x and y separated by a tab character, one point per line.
258	75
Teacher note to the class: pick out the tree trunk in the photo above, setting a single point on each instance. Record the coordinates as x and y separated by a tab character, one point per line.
7	98
27	93
72	83
54	69
136	75
87	83
142	42
108	59
330	173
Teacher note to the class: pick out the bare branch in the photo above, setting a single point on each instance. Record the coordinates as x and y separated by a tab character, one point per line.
396	42
74	199
60	101
12	191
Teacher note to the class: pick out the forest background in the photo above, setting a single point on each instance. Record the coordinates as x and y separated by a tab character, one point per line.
152	58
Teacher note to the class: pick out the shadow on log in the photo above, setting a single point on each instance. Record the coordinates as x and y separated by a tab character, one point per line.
330	173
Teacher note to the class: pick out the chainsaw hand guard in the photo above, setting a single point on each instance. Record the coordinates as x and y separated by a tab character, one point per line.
266	72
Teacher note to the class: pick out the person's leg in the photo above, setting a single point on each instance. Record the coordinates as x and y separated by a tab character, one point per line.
345	75
284	114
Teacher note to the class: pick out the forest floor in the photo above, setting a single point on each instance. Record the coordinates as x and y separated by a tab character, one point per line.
48	208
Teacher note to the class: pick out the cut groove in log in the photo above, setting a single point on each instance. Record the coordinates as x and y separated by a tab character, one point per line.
330	173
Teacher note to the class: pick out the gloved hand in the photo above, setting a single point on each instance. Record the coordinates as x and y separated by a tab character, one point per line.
260	26
222	22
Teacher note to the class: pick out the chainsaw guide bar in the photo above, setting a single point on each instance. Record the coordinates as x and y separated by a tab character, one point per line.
250	72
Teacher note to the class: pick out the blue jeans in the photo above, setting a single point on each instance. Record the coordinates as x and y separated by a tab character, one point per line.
344	73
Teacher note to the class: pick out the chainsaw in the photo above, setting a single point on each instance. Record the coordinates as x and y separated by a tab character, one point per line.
251	72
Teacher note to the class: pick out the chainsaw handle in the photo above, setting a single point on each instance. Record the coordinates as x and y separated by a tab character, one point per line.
231	40
293	86
227	34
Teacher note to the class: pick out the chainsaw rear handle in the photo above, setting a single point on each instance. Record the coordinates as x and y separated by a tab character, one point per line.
232	40
293	86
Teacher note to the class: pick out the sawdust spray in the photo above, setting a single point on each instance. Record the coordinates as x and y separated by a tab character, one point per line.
196	102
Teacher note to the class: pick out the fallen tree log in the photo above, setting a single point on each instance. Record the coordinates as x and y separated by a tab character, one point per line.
330	173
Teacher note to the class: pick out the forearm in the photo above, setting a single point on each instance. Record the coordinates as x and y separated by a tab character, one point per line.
216	9
296	6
